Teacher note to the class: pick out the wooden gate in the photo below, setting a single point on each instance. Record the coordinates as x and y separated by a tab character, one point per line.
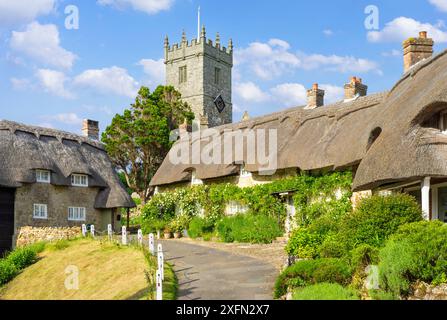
6	219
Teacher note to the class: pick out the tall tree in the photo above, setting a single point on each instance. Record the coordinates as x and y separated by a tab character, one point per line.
138	140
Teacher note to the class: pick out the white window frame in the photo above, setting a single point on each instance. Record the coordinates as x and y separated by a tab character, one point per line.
77	214
79	182
43	176
40	211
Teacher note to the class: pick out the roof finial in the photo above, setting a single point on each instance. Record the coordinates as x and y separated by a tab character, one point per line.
218	40
166	41
230	45
203	34
184	36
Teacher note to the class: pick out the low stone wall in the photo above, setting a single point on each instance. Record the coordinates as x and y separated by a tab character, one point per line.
424	291
29	235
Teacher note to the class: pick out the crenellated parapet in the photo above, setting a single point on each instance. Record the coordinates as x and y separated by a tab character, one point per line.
201	46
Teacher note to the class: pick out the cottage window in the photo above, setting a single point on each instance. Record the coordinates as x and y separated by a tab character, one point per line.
216	76
79	180
235	207
76	214
40	211
43	176
182	74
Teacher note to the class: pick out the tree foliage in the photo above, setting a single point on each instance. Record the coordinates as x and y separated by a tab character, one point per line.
138	140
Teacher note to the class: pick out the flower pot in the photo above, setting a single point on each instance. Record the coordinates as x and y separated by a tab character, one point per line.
167	235
177	235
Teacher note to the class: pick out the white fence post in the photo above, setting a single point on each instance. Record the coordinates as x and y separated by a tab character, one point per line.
110	231
140	237
84	230
159	283
151	244
124	236
92	230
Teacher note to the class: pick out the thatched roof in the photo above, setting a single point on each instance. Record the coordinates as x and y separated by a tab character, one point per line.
344	134
23	149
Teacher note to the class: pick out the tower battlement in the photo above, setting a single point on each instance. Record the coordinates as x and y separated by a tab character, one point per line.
201	70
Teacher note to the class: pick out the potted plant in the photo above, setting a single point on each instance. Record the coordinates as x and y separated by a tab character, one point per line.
167	232
176	228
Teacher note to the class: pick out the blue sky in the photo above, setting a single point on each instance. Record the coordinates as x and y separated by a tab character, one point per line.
54	76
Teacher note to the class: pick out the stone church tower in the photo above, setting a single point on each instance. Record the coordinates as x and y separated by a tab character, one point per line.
201	71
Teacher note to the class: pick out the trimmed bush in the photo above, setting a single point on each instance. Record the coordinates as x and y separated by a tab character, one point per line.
308	272
7	271
248	229
372	223
304	244
198	227
22	257
418	251
325	291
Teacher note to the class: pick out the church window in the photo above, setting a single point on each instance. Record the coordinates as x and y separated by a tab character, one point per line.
182	74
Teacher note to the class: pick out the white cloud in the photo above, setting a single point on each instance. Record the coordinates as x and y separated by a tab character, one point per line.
42	43
332	93
440	4
113	80
155	69
53	82
289	94
147	6
250	92
267	60
23	11
65	118
20	83
344	64
392	53
328	32
274	58
403	28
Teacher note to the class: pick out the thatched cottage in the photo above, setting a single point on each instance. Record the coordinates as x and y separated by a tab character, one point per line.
50	178
394	140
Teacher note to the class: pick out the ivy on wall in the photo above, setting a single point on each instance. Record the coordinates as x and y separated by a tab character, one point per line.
314	196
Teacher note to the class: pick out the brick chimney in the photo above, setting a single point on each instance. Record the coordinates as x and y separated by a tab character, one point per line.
417	49
315	97
355	88
90	129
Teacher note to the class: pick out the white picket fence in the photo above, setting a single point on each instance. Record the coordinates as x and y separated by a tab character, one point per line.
160	274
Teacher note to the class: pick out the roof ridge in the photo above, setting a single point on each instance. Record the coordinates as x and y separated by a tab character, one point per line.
42	131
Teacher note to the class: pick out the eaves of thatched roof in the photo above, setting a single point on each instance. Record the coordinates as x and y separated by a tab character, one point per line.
23	149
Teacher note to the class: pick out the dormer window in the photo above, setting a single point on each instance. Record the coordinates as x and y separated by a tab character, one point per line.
79	180
43	176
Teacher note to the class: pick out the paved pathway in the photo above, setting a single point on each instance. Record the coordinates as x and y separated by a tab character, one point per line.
210	274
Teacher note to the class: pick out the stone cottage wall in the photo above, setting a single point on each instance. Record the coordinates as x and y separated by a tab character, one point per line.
58	199
30	235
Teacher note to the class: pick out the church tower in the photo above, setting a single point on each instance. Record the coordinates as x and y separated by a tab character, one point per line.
201	71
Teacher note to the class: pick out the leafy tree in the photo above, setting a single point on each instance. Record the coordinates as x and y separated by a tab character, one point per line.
138	140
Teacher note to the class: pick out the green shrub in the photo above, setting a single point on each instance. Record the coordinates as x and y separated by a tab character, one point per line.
418	251
304	244
308	272
375	219
22	257
363	256
325	291
7	271
198	227
248	229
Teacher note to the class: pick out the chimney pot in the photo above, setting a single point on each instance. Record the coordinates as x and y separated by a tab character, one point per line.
355	89
90	129
315	97
417	49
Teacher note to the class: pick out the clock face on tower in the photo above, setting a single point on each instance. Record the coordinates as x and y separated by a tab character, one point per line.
219	103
